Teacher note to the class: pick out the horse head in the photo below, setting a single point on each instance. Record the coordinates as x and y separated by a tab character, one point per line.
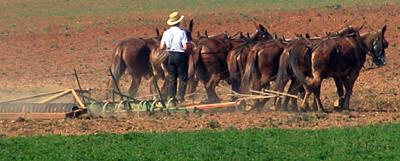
376	44
189	30
261	33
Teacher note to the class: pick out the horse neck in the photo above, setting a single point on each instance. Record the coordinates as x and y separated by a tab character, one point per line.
255	36
360	42
368	38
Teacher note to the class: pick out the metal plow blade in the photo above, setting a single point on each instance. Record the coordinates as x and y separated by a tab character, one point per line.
39	111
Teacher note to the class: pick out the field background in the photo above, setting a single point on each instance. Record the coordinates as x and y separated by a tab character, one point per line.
42	41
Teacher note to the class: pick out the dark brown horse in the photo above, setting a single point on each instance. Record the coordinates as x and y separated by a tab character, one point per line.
301	48
237	58
342	58
142	58
262	67
210	60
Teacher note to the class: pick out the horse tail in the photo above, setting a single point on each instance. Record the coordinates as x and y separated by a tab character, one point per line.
118	68
194	59
282	76
295	66
249	70
163	56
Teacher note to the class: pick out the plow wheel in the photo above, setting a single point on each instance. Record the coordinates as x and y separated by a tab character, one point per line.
39	110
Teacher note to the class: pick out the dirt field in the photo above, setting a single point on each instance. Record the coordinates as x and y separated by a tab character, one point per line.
40	55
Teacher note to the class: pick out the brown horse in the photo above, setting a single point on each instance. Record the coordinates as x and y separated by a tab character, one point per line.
342	58
262	67
133	54
210	60
142	58
302	47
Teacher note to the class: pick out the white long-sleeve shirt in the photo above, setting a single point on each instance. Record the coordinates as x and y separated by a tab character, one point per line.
173	39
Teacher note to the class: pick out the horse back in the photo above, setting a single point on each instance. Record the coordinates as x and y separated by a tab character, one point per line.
337	56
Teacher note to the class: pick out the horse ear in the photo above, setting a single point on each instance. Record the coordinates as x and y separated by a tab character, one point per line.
248	35
205	33
198	34
276	36
307	36
383	30
191	25
262	27
157	32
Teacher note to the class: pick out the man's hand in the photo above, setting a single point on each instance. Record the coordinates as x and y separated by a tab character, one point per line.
185	46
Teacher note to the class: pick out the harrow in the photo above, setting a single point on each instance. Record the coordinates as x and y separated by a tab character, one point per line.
84	105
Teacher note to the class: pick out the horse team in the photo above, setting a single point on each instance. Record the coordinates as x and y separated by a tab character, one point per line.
253	61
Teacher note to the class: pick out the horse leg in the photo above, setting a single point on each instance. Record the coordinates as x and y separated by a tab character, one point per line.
277	100
117	69
152	87
348	84
136	79
304	104
340	92
235	84
165	79
347	95
192	86
317	94
261	84
210	87
293	89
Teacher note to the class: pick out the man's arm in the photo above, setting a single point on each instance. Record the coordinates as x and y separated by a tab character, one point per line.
185	42
163	40
162	45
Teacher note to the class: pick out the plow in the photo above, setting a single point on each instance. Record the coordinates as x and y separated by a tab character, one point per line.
46	105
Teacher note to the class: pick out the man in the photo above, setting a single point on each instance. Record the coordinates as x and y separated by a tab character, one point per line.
176	42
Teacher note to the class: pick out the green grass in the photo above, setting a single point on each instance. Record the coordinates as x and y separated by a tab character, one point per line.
378	142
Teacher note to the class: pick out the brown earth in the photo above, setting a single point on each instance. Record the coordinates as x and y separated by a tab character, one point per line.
182	122
40	56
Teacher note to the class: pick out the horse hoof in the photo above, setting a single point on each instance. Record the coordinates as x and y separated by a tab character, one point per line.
293	110
281	109
339	109
338	103
248	108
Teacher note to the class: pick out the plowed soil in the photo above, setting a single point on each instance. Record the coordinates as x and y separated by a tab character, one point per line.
40	57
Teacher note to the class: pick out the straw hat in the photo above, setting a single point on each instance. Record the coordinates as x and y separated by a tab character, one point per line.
174	18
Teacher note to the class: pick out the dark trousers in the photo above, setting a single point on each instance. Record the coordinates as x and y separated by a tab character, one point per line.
177	66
